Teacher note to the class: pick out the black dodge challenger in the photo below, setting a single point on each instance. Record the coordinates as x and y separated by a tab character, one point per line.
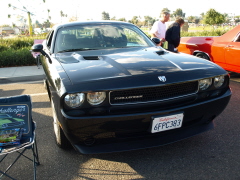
112	89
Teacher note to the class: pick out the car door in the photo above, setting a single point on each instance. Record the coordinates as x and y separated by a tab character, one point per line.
232	54
50	64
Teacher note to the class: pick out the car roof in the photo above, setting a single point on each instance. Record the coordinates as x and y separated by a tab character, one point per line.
88	22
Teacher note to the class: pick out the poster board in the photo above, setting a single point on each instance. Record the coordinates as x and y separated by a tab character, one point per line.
15	119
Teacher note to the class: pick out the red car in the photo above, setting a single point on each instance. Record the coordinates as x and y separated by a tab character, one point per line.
223	50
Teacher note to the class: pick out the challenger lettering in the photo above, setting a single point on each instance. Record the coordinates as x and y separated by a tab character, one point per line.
128	97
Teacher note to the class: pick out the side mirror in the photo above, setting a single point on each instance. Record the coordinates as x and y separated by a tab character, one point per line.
156	40
38	48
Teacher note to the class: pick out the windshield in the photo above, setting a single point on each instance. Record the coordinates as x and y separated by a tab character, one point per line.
103	36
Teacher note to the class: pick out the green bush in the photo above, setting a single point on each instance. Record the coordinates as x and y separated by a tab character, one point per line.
19	57
197	33
18	44
203	33
3	48
16	51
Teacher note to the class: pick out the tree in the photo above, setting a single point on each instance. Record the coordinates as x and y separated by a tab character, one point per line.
73	18
191	18
213	17
165	10
37	24
196	21
105	16
114	18
24	9
149	21
47	24
178	13
237	19
202	15
134	20
5	25
122	19
49	17
62	14
225	15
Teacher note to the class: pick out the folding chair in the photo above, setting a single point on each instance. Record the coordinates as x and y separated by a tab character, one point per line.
16	115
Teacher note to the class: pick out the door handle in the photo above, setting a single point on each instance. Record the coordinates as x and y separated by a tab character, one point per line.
230	46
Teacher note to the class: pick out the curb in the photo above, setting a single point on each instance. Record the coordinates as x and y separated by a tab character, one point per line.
9	80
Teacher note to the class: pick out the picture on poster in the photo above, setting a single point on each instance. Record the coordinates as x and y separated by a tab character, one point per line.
14	121
14	116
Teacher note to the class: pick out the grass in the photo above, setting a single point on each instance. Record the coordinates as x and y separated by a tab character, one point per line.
210	28
200	31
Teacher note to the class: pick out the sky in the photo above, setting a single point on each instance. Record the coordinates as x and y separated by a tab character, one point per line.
92	9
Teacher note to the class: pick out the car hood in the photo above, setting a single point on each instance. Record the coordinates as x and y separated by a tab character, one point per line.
86	66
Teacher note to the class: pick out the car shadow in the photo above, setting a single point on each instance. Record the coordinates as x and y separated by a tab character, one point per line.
10	92
211	155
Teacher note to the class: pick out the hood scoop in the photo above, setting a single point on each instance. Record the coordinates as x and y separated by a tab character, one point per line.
75	58
161	52
91	57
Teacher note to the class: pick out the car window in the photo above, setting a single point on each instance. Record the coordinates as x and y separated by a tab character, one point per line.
49	39
238	38
104	36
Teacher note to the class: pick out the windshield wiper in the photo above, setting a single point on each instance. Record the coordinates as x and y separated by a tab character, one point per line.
72	50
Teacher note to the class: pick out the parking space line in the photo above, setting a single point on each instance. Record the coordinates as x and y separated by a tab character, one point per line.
38	94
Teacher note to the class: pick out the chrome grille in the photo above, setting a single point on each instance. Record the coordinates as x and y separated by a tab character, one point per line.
158	93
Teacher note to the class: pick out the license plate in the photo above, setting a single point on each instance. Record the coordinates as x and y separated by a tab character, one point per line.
165	123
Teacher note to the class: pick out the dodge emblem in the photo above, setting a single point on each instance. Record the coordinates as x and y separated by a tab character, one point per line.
162	78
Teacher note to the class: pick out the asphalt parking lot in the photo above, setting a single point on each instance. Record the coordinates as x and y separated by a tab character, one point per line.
211	155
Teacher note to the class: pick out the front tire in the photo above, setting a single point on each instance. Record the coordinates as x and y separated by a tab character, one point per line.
202	55
61	139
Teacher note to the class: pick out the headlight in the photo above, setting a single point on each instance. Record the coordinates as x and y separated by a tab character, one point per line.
96	98
74	100
218	81
204	84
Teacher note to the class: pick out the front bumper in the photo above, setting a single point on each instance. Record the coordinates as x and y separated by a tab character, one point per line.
113	133
142	143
